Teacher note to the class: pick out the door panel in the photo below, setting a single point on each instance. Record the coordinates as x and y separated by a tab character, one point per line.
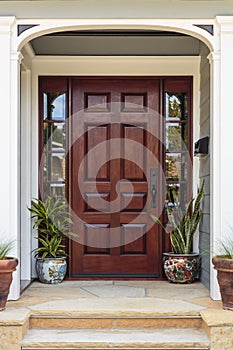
134	159
111	166
94	136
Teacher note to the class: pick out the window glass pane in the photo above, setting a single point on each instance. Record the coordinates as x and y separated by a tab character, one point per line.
55	105
176	166
54	166
177	194
54	136
176	136
176	106
177	142
57	190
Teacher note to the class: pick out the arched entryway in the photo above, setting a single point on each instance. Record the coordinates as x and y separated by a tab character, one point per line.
117	42
34	32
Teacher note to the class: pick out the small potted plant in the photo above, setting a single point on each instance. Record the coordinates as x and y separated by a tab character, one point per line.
223	263
52	219
7	267
182	265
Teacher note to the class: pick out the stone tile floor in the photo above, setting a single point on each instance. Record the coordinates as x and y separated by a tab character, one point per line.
160	291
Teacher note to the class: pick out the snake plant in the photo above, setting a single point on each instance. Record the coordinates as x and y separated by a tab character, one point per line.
184	224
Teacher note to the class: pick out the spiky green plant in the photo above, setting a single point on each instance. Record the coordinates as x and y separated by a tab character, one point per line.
225	249
184	224
5	248
52	219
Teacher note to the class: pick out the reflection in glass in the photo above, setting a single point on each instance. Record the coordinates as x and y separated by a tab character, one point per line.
54	142
54	136
176	194
54	105
176	106
176	168
54	167
176	136
55	190
177	144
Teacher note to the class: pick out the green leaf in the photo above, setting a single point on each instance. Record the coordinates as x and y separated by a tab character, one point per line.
52	219
184	224
5	248
157	221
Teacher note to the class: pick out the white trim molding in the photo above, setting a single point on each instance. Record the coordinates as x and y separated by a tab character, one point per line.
215	174
185	26
116	65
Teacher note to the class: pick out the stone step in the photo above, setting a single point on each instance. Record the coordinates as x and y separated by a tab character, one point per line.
113	322
117	307
166	338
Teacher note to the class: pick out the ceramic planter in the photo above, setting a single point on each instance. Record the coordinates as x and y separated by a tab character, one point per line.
7	267
51	270
224	269
181	268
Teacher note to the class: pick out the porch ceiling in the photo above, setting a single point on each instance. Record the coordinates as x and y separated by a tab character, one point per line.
116	43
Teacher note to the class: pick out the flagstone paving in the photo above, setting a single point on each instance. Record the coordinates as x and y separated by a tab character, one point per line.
38	293
166	315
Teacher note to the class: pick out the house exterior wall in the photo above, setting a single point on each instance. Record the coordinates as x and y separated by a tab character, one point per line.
204	164
183	16
163	9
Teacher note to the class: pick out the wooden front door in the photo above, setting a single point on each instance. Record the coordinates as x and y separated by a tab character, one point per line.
116	128
105	144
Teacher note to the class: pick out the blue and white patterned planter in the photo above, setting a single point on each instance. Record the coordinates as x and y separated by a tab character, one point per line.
51	270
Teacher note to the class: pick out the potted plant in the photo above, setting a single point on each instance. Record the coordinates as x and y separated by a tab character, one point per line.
52	219
223	263
7	267
182	265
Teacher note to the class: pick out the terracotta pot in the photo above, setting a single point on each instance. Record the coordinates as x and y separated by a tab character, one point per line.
7	267
224	269
181	268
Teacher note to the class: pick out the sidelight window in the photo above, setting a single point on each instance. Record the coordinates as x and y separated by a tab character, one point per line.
177	142
53	151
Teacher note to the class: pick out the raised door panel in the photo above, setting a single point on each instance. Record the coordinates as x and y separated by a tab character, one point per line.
116	237
133	153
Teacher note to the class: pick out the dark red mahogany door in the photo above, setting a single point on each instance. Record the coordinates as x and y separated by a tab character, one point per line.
115	129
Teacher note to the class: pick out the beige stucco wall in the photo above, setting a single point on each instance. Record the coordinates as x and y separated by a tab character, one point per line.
116	8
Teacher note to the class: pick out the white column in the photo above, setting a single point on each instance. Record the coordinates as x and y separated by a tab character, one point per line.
9	143
222	141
